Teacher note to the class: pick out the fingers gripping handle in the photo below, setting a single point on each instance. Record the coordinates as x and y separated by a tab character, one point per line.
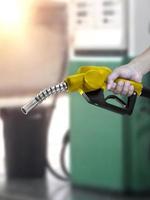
137	86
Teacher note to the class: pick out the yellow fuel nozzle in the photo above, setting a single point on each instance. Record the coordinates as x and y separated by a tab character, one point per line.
90	78
86	79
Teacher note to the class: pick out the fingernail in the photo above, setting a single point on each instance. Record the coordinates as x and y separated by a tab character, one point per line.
114	85
108	87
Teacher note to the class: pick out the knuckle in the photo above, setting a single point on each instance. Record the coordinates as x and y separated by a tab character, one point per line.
125	91
120	83
130	93
119	88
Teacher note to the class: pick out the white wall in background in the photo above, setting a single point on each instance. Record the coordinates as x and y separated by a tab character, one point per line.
139	26
99	24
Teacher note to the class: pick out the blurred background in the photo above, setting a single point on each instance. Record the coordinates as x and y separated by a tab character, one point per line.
41	42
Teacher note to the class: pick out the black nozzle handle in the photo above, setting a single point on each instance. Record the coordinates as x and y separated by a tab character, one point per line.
97	98
146	92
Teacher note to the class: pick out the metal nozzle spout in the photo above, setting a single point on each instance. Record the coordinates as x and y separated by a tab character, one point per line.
29	106
43	95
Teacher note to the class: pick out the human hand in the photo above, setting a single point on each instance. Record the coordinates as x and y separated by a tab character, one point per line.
123	87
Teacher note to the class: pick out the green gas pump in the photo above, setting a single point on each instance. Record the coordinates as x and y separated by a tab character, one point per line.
109	151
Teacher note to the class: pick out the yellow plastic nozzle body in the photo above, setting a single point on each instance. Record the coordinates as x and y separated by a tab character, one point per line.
90	78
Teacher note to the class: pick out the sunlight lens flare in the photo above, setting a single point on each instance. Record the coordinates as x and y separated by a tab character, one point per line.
12	15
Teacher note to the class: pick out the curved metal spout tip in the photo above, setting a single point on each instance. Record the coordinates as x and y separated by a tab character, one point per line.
24	111
29	106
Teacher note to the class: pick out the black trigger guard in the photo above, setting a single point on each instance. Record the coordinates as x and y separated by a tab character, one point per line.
97	98
117	99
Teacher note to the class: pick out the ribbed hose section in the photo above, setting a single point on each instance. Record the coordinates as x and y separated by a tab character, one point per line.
44	94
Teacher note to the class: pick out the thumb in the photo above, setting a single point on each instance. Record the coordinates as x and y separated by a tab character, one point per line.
114	75
111	78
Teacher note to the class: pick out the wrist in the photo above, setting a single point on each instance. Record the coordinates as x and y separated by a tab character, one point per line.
138	67
142	66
